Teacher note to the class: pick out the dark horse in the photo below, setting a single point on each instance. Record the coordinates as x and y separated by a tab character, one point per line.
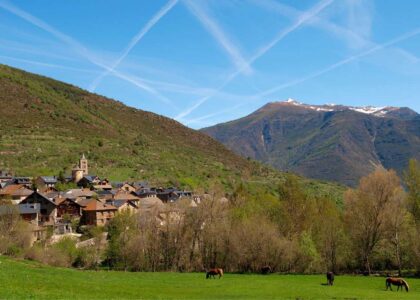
330	278
399	282
213	272
266	270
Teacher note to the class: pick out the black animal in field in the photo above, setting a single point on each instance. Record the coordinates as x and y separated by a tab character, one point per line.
330	278
266	270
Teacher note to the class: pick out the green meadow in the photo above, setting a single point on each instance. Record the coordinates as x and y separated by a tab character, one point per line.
30	280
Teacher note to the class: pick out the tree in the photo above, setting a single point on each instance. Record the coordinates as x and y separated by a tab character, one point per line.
366	211
398	221
297	209
412	181
15	234
329	233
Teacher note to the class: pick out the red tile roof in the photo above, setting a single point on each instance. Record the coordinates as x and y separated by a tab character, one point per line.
95	205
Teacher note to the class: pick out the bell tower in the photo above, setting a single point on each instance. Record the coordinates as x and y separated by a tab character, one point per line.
83	164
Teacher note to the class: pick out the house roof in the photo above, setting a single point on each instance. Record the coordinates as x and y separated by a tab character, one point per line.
145	191
125	196
21	180
75	193
16	190
119	203
60	200
95	205
83	202
103	186
49	179
39	195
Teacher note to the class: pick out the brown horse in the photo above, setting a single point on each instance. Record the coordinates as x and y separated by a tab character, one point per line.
213	272
399	282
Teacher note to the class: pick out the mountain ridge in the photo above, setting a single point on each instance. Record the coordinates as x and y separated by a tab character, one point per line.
330	142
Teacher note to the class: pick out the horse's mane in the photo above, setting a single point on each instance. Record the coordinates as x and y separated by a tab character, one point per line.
406	283
221	271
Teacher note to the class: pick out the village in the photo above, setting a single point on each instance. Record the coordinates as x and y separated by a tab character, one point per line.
95	201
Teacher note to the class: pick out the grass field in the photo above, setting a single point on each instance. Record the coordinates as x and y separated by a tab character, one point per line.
29	280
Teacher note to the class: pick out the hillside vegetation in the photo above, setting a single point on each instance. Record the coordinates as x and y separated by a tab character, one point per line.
46	125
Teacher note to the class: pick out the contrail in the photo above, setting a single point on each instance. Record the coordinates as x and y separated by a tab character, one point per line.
214	29
336	65
38	63
152	22
79	48
301	20
341	63
339	31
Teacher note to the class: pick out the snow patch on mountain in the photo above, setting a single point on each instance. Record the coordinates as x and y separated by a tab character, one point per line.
371	110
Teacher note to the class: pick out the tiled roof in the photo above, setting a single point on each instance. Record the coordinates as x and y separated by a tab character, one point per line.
95	205
15	190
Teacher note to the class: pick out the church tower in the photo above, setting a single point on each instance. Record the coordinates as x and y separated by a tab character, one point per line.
83	165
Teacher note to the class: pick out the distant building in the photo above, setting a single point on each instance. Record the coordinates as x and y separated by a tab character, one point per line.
5	176
15	192
98	213
80	170
45	182
45	208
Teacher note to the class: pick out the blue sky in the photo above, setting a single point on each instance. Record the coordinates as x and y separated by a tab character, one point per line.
204	62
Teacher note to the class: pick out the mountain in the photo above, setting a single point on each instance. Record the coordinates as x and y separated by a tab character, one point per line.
331	142
46	125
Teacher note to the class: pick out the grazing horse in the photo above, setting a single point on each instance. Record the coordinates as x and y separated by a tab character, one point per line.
266	270
330	278
399	282
213	272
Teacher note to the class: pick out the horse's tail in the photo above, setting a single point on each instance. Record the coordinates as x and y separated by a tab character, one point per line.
405	284
207	275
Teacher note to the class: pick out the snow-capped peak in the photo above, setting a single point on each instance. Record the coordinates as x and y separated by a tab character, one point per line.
293	101
371	110
367	109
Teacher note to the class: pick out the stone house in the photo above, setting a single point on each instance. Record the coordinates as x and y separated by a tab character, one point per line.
47	208
97	213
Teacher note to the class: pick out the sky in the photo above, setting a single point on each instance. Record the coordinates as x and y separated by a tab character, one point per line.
204	62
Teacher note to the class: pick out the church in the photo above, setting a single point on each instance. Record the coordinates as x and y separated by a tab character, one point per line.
80	170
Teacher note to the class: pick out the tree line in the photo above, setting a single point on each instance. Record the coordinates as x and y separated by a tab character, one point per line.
375	228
